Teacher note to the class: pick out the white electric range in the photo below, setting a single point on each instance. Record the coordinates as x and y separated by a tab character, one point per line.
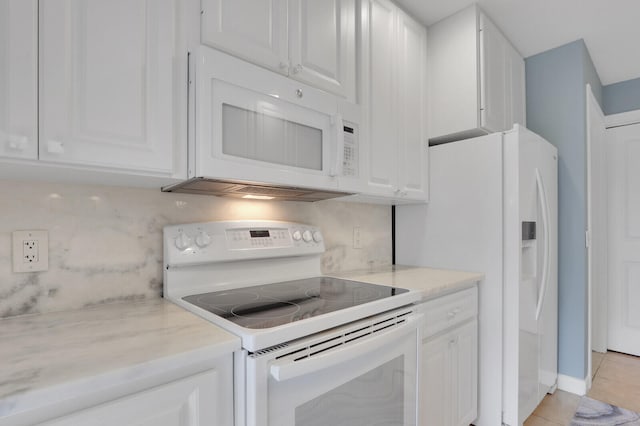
317	350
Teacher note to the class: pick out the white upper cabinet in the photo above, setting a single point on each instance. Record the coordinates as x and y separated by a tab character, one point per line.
493	82
476	78
412	164
109	92
516	107
380	97
322	44
18	79
310	41
253	30
394	100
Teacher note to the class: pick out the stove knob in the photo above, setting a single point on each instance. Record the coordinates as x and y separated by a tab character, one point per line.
203	239
296	236
306	236
182	241
317	236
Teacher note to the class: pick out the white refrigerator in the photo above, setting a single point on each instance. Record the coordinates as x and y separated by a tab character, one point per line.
493	209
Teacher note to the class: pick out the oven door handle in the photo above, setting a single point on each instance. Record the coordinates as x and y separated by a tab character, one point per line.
288	369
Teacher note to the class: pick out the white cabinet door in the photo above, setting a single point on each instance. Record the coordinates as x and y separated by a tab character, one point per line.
18	79
436	385
382	135
516	91
449	389
108	92
394	95
465	373
493	84
194	401
412	138
476	78
254	30
453	73
311	41
322	44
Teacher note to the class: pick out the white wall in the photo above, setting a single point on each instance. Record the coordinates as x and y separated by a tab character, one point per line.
105	243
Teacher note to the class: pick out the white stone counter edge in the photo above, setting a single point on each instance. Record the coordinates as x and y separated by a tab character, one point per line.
431	282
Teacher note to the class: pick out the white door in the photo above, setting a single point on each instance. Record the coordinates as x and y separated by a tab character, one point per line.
530	286
19	79
624	238
108	83
462	228
380	97
412	139
492	77
322	44
254	30
547	312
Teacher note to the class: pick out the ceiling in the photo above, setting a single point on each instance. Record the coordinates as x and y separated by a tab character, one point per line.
610	28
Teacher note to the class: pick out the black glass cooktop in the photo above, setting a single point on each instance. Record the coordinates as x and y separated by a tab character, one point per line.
270	305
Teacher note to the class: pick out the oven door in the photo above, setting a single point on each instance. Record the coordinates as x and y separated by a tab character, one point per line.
360	374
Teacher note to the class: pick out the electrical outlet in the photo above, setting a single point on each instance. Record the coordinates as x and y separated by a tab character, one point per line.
357	244
30	251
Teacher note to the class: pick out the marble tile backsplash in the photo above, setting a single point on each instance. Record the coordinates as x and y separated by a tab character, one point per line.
105	243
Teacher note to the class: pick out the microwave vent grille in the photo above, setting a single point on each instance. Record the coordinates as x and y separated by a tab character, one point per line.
240	189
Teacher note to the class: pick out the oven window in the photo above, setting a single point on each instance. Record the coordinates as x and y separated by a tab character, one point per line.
264	136
374	398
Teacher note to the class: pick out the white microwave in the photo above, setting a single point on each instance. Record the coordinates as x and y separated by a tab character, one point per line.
257	128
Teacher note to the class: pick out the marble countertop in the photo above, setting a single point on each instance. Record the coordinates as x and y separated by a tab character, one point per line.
431	282
58	356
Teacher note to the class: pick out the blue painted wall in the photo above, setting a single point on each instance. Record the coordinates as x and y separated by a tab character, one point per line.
621	97
556	110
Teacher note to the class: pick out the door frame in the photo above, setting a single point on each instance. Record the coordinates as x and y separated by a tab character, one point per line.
596	236
622	119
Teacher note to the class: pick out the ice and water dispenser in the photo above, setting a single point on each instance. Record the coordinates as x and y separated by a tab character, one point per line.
529	251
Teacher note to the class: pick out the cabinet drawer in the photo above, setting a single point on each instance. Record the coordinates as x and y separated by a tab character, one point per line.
449	310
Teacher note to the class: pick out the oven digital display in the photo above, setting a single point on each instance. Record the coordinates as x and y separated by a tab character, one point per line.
262	233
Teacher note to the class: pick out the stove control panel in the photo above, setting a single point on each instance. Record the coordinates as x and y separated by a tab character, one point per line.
211	242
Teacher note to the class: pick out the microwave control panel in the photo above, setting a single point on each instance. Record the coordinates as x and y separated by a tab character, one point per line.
350	162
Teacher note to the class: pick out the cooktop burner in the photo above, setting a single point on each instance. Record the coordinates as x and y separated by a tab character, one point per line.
275	304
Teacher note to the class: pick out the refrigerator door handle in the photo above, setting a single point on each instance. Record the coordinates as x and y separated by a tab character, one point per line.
542	196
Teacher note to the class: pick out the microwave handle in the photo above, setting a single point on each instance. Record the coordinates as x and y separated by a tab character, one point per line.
287	369
338	125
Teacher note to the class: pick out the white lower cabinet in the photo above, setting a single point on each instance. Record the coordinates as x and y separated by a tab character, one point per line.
449	382
204	399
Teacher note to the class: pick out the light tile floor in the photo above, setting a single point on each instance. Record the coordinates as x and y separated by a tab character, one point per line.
616	380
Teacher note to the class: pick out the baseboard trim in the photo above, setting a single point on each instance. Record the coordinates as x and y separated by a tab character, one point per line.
572	385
